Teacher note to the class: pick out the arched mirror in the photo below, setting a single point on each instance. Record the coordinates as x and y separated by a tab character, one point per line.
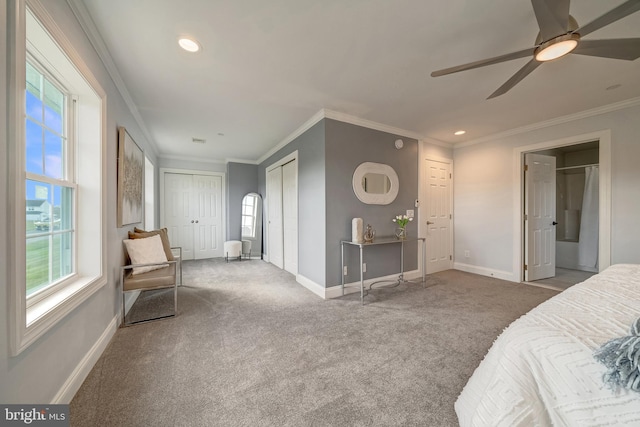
251	223
375	183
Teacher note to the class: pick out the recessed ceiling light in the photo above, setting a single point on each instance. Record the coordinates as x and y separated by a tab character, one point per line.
460	132
188	44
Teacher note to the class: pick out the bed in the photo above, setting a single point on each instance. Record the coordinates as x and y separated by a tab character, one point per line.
541	371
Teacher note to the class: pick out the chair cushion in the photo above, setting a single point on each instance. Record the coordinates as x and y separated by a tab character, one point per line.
138	233
148	250
161	278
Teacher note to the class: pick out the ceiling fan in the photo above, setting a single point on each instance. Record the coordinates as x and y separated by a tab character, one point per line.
560	35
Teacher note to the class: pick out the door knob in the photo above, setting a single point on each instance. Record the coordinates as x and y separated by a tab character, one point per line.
196	221
191	221
429	222
554	223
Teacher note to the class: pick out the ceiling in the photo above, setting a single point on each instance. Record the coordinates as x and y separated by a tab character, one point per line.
265	68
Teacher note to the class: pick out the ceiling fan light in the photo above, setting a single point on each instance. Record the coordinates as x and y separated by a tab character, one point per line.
556	48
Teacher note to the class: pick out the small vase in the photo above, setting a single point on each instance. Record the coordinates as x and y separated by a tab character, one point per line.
401	233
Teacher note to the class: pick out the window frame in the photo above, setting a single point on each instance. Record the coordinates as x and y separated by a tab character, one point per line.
68	180
28	322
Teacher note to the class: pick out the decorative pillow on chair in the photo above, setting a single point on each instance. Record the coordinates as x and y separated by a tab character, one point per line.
138	233
146	250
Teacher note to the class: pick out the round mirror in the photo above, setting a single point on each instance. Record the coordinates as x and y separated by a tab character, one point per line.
375	183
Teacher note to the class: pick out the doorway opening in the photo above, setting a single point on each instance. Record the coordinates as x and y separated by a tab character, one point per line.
576	214
577	242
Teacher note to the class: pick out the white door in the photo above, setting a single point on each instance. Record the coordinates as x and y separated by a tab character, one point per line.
193	214
274	209
437	211
290	216
178	217
540	212
207	204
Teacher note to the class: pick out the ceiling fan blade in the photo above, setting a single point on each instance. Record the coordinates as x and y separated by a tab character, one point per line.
626	8
552	17
628	49
516	78
484	62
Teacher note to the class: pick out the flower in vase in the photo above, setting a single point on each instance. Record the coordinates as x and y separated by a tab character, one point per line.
402	220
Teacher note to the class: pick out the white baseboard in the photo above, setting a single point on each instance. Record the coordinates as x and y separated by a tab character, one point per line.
312	286
80	373
504	275
353	287
349	288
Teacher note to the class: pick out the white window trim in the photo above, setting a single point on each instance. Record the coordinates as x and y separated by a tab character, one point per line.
27	324
68	180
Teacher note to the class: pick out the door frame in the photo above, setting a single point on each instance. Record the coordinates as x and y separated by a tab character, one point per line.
223	197
422	194
604	208
265	209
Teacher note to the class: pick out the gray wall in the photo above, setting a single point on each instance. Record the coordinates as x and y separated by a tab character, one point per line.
311	199
38	373
328	154
242	178
347	146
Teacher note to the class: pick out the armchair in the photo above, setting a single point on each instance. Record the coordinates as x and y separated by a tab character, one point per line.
153	269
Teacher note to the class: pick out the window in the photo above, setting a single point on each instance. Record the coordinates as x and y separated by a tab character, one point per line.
58	220
50	190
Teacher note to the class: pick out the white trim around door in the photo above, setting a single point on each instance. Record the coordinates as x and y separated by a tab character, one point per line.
422	192
293	240
222	176
604	246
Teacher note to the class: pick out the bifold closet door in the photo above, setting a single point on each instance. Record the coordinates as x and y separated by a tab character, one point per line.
193	214
290	216
274	227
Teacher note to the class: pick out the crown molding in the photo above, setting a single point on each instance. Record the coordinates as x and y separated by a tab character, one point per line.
89	27
245	161
437	142
347	118
192	159
293	135
633	102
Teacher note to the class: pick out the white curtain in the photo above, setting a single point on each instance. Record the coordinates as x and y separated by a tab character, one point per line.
588	243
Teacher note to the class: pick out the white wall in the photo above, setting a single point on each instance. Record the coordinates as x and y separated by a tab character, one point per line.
483	191
52	367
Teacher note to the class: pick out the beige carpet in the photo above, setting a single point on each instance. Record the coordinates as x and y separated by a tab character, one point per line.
251	347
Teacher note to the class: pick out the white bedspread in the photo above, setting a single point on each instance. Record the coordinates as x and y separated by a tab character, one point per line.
541	371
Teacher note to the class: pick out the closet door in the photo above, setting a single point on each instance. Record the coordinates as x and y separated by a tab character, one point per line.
178	212
193	214
290	216
274	209
207	212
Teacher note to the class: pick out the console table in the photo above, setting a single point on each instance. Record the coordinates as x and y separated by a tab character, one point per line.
382	241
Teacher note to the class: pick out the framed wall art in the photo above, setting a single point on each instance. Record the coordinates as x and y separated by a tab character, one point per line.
130	180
